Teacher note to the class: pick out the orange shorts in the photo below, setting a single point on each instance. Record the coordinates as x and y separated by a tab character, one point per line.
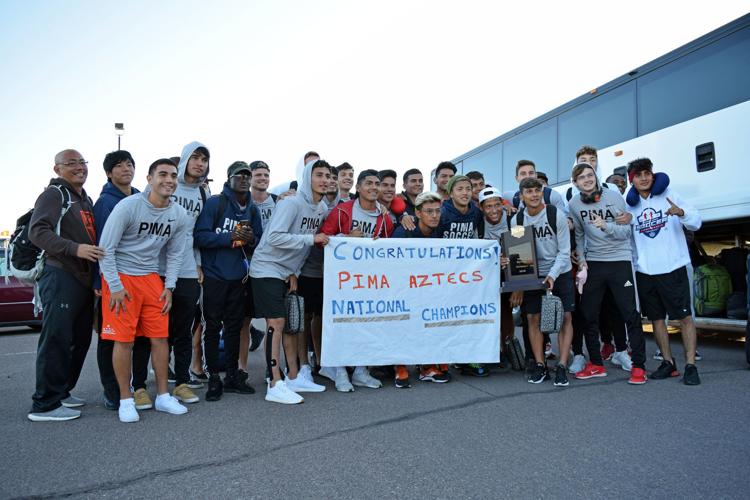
142	316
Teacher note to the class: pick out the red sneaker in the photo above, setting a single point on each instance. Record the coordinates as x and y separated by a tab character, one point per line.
591	371
607	351
637	376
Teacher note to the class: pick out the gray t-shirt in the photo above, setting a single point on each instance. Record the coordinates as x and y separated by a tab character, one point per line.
364	220
266	209
552	250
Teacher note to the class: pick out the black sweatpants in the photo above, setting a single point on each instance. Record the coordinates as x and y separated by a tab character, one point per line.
611	323
618	278
181	319
223	305
104	348
65	338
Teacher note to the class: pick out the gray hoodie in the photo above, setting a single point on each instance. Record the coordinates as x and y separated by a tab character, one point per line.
313	266
290	234
190	198
609	245
134	236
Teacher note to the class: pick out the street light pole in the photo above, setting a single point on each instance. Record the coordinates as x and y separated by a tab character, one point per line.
119	130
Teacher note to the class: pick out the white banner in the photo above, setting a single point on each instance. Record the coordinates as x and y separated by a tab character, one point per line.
410	301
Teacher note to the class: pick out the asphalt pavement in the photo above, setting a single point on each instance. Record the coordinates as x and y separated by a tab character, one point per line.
478	438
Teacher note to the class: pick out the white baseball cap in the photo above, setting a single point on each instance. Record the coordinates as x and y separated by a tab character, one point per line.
489	192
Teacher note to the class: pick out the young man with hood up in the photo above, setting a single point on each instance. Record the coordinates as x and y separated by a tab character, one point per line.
64	287
274	269
662	257
311	287
192	171
361	217
120	169
226	232
136	300
605	264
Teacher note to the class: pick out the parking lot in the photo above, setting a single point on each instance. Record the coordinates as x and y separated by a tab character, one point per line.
491	437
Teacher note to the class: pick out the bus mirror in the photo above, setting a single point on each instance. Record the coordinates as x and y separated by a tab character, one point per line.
705	157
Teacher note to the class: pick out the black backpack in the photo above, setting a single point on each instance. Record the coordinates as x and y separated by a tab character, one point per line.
551	217
547	193
26	260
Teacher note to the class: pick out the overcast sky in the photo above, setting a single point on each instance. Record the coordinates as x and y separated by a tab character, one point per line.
387	84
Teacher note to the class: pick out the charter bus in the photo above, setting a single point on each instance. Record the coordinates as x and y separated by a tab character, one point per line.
688	110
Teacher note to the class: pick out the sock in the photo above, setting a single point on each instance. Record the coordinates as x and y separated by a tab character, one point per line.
359	370
160	397
128	400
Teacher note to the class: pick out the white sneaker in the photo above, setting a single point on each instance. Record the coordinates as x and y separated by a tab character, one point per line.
169	404
127	411
362	378
328	372
621	359
306	372
579	362
342	380
302	384
280	393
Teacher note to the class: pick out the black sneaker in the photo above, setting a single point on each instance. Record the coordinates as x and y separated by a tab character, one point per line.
256	337
171	377
215	388
475	370
402	383
243	376
561	376
110	403
538	375
666	369
238	384
691	375
201	377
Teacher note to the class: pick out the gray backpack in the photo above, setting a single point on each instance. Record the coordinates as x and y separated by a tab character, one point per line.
552	313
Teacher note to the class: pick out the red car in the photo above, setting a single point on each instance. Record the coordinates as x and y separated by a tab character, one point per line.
16	307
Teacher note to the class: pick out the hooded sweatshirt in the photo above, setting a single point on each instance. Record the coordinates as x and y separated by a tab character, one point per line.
190	198
109	197
660	242
213	235
350	215
134	236
290	235
76	227
455	225
313	266
609	245
552	250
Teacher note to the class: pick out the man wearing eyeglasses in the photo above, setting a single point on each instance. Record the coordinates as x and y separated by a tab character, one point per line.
64	287
227	231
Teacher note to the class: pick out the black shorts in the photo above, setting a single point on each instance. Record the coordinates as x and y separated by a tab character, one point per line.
662	294
311	289
248	291
269	297
532	299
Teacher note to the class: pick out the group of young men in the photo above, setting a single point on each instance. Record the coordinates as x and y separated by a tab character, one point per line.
175	272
